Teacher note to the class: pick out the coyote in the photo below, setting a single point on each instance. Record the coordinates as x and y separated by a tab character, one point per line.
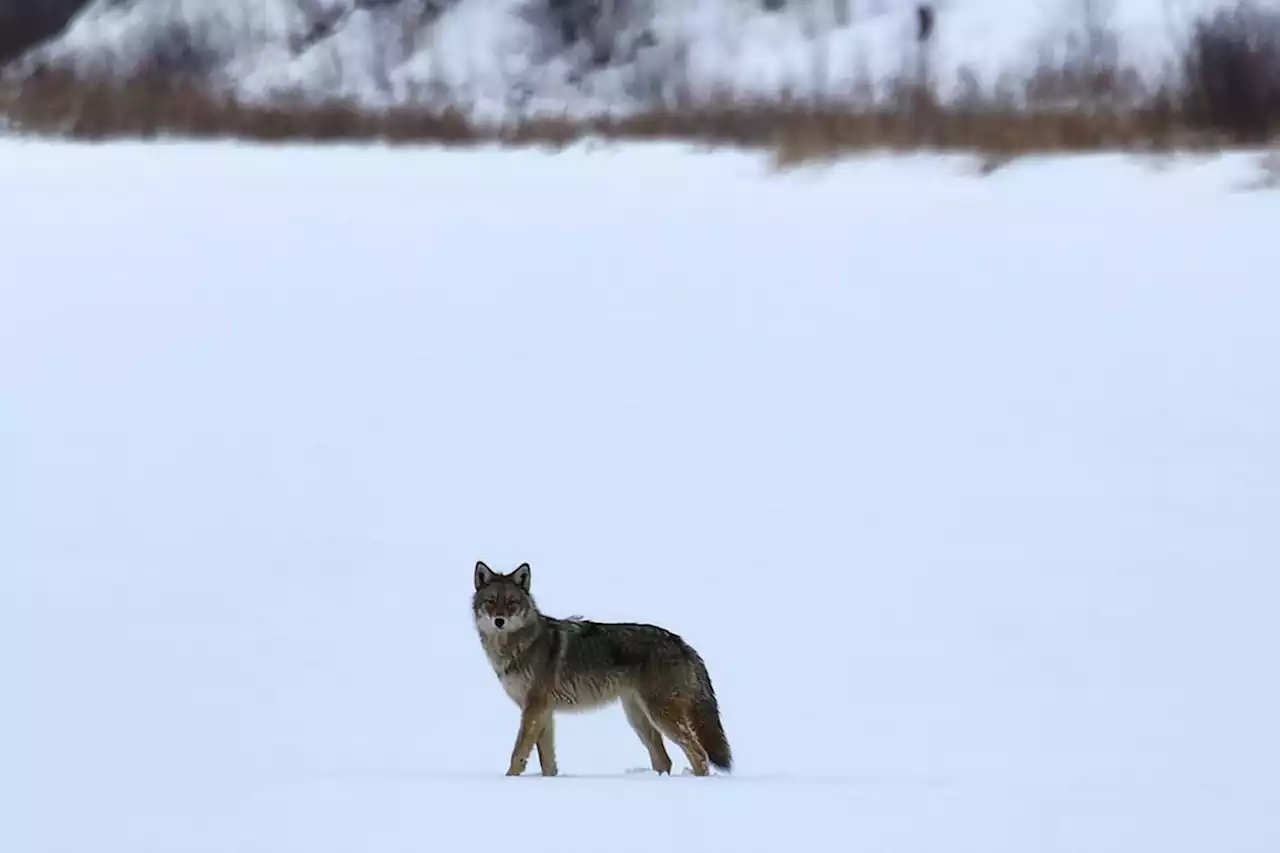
547	665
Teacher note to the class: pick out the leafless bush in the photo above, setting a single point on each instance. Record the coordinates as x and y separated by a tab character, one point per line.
1084	68
600	32
180	52
1231	68
26	23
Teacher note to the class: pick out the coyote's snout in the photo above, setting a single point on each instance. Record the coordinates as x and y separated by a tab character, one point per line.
547	665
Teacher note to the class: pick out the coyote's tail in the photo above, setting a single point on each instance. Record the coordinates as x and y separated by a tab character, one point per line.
706	716
710	732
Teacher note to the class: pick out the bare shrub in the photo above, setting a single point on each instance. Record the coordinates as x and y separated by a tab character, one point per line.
1231	73
26	23
180	51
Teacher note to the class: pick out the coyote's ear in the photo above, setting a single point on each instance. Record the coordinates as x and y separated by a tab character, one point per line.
520	577
484	574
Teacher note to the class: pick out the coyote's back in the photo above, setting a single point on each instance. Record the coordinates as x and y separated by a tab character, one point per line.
549	665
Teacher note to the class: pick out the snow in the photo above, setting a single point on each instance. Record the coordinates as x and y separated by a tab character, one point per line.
502	57
966	489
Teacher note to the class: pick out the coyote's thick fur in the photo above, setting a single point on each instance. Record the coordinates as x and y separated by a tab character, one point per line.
547	665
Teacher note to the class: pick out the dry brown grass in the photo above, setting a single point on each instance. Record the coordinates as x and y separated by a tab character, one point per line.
1226	92
56	104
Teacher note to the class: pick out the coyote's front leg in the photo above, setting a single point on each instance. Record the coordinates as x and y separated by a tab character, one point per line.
534	718
547	746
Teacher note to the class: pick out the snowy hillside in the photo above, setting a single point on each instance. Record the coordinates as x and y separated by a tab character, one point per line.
966	490
500	55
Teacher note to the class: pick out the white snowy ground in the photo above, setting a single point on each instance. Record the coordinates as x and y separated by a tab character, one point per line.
967	490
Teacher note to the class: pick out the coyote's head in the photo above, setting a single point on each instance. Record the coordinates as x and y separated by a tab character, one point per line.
502	603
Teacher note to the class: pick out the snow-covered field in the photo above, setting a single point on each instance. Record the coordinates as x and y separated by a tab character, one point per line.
501	57
967	490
